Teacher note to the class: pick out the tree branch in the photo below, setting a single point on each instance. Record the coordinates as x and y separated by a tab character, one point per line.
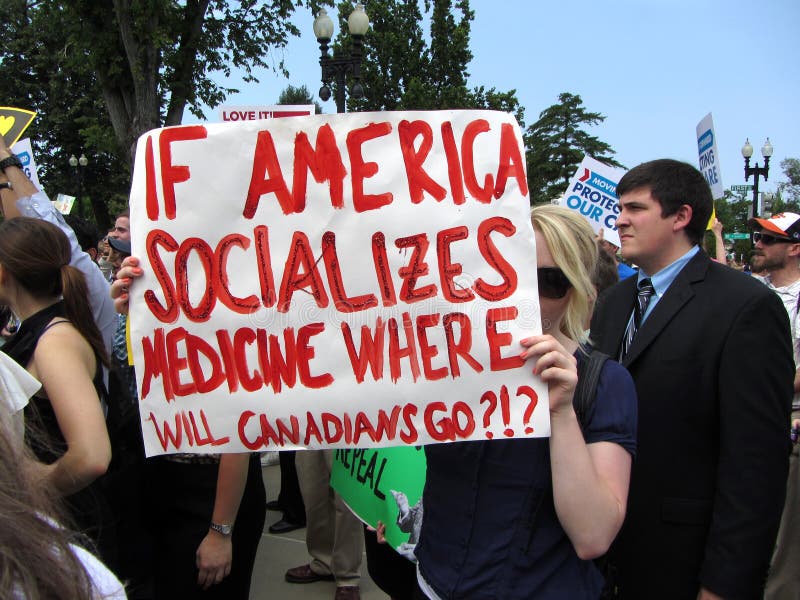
186	60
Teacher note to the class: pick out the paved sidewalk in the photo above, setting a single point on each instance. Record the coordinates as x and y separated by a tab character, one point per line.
280	552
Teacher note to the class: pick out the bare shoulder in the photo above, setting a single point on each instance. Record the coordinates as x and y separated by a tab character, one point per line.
62	346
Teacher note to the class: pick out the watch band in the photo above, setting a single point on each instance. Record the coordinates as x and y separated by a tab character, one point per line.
223	529
11	161
6	185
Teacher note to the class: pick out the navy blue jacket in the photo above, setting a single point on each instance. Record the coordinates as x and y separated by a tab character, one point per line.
490	528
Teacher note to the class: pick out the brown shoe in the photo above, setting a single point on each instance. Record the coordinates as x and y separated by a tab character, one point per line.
347	592
304	574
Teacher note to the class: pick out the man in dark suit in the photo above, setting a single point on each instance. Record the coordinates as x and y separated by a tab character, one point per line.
712	362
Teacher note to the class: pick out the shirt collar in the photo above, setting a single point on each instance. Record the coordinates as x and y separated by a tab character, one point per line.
664	278
792	287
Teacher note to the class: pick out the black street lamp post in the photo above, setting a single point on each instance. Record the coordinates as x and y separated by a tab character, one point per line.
337	68
79	164
756	171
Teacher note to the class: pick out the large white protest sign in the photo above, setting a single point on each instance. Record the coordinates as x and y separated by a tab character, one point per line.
334	281
709	156
592	192
254	113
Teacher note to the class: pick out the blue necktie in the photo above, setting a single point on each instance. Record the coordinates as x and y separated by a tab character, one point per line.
646	291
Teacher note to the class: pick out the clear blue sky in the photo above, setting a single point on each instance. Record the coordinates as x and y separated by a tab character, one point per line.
654	68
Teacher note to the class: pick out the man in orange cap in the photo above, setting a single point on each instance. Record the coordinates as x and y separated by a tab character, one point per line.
777	252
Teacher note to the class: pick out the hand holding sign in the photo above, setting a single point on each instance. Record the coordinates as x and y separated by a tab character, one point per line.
13	122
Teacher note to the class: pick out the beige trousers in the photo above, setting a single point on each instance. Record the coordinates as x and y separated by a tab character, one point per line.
334	536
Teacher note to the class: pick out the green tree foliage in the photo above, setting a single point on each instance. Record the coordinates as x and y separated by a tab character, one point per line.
395	53
41	70
165	54
298	95
406	69
790	189
100	74
449	52
556	144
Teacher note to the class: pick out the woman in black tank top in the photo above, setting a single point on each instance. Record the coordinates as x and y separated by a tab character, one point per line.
59	344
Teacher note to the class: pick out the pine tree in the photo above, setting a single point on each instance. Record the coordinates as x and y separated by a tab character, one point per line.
298	95
557	143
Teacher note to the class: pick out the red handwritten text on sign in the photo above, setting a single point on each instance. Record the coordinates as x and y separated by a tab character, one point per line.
333	281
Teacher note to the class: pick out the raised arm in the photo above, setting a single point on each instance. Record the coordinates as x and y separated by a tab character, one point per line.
590	482
20	184
719	243
25	200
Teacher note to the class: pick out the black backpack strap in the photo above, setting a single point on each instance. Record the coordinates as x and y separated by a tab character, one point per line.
582	401
586	390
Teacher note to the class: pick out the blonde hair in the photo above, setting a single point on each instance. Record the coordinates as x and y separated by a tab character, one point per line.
572	244
36	558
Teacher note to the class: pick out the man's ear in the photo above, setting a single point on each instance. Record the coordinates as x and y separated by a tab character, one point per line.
683	217
794	250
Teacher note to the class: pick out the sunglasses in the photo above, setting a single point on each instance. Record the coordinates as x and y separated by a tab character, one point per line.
768	239
553	283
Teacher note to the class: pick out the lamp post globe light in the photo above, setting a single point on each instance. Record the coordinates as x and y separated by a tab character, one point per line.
337	68
79	164
756	171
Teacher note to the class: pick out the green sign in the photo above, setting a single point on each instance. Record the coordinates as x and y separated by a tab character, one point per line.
736	236
741	188
383	484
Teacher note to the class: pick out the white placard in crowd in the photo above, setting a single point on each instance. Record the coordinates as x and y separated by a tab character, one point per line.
592	192
709	156
355	280
64	203
233	114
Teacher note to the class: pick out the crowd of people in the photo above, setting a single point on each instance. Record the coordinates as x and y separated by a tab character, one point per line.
669	473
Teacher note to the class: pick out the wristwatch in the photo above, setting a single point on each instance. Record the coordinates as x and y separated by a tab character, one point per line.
6	185
11	161
223	529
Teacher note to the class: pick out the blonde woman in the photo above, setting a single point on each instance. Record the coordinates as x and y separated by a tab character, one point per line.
524	518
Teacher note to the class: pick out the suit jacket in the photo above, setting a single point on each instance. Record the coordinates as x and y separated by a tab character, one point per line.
713	370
